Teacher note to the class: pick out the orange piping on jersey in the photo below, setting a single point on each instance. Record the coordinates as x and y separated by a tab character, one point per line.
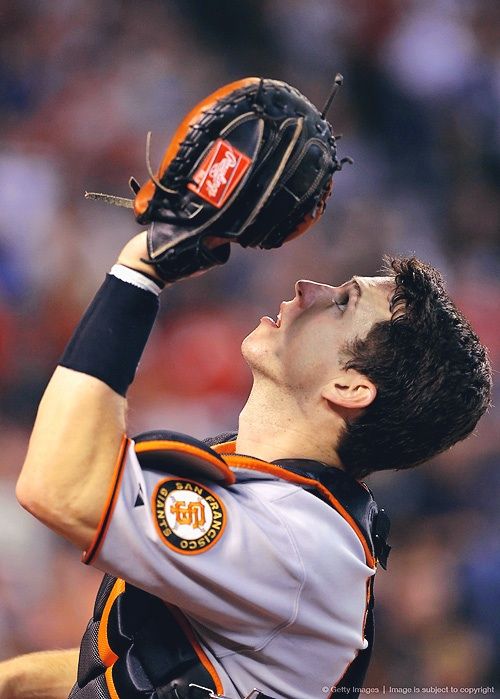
368	596
202	656
162	536
225	447
114	488
258	465
146	192
108	676
106	654
153	445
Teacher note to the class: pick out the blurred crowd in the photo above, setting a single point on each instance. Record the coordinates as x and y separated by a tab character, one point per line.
81	82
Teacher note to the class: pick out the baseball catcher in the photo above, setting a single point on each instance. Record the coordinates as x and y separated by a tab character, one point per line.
242	565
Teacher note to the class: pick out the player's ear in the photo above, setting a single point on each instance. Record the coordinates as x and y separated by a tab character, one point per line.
350	389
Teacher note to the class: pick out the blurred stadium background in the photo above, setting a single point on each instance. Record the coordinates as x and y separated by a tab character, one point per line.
81	82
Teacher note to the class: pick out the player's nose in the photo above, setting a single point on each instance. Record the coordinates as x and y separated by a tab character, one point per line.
309	292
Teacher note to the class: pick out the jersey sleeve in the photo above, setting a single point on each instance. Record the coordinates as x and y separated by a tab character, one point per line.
220	553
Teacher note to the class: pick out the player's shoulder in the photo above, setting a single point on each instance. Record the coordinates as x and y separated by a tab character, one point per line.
265	496
166	451
213	459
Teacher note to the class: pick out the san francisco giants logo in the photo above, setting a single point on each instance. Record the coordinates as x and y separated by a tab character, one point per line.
192	513
189	517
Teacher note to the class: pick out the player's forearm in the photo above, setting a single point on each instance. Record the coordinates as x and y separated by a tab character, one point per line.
81	419
48	675
72	454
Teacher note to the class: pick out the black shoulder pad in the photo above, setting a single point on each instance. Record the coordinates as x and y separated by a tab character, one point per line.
220	438
181	455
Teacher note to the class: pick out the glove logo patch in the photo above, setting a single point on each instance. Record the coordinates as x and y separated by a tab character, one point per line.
219	173
189	517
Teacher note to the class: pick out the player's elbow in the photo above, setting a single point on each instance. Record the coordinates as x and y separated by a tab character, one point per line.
37	498
25	494
38	482
60	512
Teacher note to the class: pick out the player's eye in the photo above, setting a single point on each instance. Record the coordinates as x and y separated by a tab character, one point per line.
341	301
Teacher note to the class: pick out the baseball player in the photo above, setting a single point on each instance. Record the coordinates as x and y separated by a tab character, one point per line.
242	566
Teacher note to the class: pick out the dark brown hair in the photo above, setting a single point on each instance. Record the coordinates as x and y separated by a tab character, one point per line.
432	375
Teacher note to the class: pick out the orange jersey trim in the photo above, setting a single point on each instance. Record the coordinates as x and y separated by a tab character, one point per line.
107	512
165	444
258	465
106	654
147	191
108	676
225	447
202	656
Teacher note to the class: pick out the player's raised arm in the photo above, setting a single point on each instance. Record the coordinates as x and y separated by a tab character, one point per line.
80	423
251	164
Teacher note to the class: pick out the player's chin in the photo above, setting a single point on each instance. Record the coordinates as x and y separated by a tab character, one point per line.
265	331
255	348
249	344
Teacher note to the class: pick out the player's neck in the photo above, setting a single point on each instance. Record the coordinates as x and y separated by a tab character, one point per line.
272	426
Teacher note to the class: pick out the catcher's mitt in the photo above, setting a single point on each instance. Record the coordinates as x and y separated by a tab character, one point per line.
251	164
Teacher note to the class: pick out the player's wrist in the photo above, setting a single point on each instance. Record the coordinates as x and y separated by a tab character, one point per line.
143	281
135	256
110	338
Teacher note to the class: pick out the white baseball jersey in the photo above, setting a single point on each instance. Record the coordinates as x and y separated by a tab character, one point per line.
272	580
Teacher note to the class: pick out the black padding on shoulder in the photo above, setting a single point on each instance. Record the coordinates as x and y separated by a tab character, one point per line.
357	500
170	436
179	461
221	438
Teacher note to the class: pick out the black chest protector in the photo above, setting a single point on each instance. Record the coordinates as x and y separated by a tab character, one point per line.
146	644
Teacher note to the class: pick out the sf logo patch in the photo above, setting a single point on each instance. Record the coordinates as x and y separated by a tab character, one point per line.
189	517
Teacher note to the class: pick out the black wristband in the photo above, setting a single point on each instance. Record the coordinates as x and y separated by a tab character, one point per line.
111	336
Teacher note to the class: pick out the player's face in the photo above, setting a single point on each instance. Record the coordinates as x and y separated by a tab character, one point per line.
303	347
